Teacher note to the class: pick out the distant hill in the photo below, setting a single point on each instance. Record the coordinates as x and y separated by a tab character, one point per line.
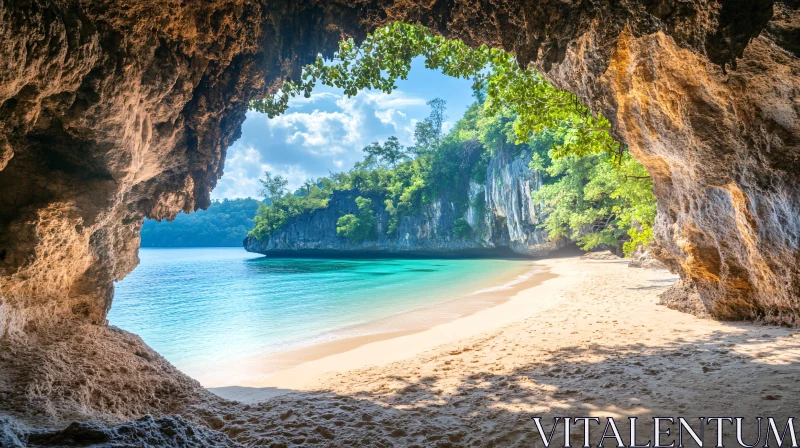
224	223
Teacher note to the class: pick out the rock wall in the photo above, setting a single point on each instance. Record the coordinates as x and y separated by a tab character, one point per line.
509	183
113	111
164	432
723	145
501	213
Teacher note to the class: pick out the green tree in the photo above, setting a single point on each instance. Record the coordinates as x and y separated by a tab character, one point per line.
272	187
282	206
388	154
461	228
386	54
361	227
594	194
594	199
598	200
306	188
428	132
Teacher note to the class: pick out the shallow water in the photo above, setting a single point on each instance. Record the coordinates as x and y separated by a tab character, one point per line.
202	307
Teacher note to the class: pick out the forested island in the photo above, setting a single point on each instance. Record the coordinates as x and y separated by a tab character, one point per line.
224	224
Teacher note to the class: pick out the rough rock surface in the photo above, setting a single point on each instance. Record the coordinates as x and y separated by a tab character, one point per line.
682	296
600	255
501	213
643	258
110	112
11	433
166	432
509	183
723	150
113	111
90	371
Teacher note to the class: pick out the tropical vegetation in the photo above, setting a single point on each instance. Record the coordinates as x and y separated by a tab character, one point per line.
595	193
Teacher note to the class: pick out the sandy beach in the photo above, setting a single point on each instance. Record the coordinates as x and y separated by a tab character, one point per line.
357	345
590	340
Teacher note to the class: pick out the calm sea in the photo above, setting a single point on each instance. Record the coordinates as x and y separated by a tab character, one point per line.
202	307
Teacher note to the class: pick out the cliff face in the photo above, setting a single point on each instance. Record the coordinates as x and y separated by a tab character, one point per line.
723	146
509	184
501	213
111	111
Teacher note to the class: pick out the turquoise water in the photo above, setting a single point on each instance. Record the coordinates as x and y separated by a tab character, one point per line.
201	307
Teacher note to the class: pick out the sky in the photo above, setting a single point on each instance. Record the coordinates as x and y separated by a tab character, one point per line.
327	131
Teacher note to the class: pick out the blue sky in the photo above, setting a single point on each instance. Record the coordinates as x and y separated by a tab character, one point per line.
327	131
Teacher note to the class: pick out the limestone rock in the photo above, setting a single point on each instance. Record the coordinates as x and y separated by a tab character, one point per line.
115	111
643	257
600	255
509	183
501	214
83	371
6	153
684	297
11	434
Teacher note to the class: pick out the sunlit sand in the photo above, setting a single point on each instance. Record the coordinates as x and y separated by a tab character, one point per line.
589	340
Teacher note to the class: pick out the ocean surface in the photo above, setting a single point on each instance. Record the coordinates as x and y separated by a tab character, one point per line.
203	307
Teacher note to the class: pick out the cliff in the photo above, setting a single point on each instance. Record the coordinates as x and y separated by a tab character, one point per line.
501	213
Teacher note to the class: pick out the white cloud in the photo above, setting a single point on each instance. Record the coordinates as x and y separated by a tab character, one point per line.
346	104
316	129
300	100
394	100
243	167
393	117
447	126
295	174
323	133
385	115
408	131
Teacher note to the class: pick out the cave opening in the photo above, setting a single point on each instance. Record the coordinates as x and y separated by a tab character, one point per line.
705	98
419	134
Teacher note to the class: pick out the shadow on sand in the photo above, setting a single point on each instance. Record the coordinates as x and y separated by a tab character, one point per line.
753	371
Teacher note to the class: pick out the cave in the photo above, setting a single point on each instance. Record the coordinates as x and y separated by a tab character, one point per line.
111	112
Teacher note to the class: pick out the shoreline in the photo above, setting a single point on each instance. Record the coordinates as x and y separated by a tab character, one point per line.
268	370
499	253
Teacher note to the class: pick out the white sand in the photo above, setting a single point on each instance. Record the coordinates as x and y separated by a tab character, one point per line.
258	370
539	299
592	341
